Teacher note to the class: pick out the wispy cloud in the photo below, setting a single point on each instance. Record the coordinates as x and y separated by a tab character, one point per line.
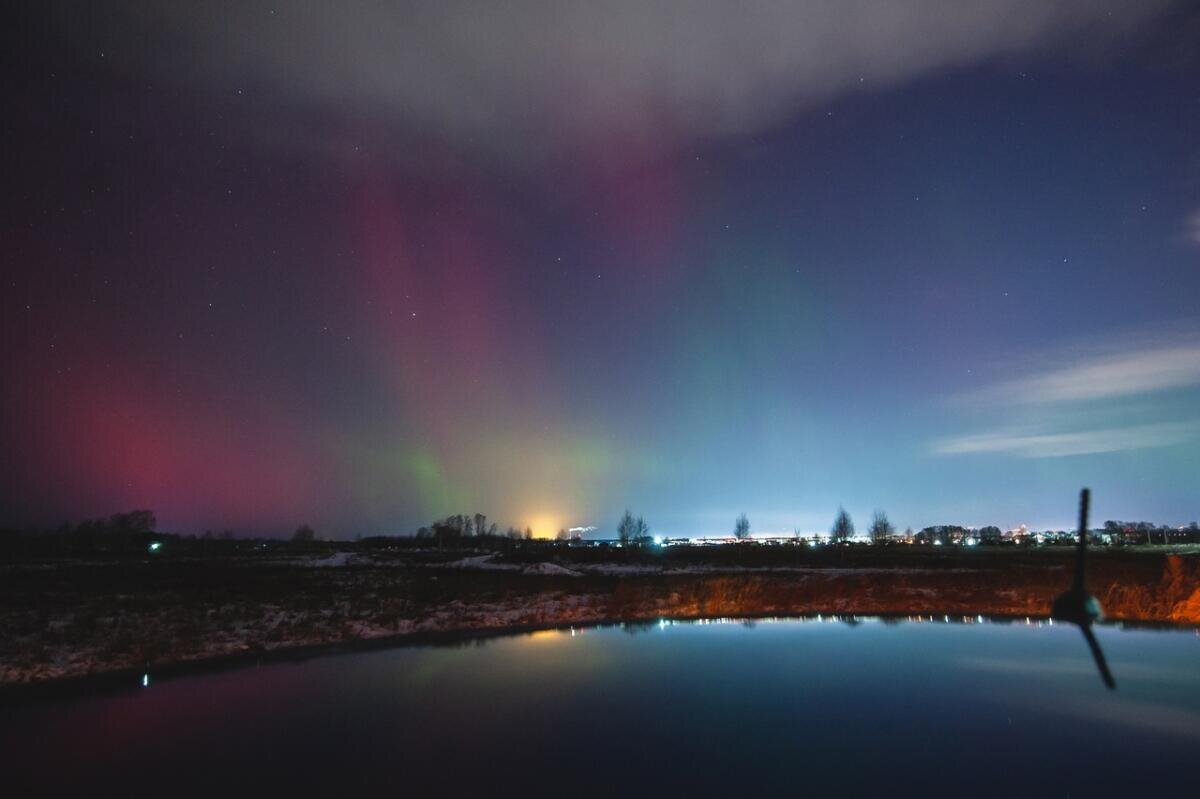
1132	714
498	75
1086	442
1122	374
1110	399
1192	227
1076	666
1135	716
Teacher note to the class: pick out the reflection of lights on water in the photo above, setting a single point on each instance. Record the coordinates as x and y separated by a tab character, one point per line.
664	622
545	635
145	680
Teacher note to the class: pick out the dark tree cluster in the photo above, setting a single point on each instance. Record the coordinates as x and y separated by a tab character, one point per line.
881	528
843	527
633	531
941	534
990	534
463	529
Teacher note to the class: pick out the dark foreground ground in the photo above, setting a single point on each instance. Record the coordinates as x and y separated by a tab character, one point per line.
73	617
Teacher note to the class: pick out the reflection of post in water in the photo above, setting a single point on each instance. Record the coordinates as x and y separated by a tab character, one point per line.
1077	606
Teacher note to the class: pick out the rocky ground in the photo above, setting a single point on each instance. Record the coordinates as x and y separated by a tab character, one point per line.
73	618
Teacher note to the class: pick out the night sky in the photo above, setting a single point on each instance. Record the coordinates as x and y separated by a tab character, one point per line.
361	265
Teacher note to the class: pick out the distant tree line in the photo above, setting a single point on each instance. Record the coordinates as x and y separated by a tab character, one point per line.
120	533
1150	533
135	533
468	529
1116	532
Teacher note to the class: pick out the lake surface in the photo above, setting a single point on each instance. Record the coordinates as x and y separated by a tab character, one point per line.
717	708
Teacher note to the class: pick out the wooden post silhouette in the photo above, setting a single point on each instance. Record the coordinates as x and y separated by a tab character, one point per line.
1077	606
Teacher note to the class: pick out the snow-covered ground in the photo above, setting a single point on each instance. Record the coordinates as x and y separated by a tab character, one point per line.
480	562
490	562
550	569
234	631
338	559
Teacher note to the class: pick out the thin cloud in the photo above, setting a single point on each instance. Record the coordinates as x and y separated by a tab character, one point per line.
1077	667
1192	228
1135	716
1087	442
1104	377
523	81
1046	409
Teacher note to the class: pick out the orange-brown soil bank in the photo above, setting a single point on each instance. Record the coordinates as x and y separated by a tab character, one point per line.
1165	589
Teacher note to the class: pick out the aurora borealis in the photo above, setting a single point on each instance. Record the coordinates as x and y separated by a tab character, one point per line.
362	265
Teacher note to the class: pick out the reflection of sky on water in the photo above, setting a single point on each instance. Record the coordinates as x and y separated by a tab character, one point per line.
705	707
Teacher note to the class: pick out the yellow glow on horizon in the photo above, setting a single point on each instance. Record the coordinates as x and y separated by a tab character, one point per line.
544	525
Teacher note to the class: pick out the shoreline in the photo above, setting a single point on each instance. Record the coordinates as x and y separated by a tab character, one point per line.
130	677
78	621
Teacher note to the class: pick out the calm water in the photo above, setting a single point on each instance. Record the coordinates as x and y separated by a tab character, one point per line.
703	708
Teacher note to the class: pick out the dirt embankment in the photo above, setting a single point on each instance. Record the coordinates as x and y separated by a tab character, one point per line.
1167	590
1173	597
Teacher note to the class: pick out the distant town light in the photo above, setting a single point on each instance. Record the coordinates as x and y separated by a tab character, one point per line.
155	546
146	680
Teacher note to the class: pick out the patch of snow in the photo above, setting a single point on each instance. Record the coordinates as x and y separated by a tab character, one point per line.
336	559
480	562
620	569
550	569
